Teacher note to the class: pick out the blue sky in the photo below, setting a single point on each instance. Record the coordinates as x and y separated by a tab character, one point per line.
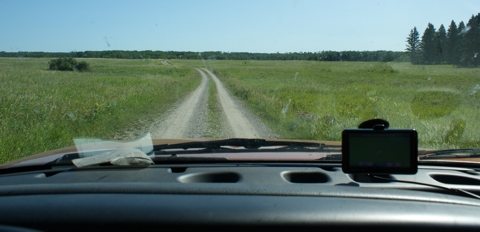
220	25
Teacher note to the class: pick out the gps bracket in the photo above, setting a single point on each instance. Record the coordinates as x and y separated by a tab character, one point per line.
375	124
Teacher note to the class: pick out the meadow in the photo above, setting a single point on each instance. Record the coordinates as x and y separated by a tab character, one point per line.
317	100
42	110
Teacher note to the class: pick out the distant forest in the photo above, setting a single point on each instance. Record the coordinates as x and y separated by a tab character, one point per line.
459	45
382	56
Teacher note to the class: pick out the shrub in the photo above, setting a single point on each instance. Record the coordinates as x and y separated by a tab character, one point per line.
68	64
83	66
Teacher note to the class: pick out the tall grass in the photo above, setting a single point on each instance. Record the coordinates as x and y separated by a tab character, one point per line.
317	100
42	110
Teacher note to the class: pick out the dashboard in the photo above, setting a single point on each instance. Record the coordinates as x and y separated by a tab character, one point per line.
237	196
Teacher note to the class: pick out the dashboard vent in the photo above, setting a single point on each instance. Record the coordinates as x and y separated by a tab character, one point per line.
214	177
453	179
305	177
177	169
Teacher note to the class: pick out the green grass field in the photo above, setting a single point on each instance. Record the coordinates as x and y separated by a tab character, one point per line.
317	100
43	110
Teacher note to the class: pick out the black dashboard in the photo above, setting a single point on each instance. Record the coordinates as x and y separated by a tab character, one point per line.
237	196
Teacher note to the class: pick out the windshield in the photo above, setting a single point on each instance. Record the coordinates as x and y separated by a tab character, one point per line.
302	70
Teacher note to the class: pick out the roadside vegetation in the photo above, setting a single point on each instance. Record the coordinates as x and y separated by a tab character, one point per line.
317	100
42	110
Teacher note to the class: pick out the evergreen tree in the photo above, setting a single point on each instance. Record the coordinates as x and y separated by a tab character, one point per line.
428	47
460	42
452	55
440	44
413	45
471	44
475	40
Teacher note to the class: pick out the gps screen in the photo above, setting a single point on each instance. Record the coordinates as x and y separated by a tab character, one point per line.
382	151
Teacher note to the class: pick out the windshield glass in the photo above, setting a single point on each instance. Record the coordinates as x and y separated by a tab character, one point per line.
303	70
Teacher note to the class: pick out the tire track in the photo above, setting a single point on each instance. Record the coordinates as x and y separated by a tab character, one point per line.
241	125
186	119
189	118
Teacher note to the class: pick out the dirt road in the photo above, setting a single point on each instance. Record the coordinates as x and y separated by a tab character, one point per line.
188	118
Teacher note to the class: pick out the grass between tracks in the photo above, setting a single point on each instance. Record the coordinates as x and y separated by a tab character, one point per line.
215	116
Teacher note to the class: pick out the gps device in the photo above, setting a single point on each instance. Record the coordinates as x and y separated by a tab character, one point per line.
380	151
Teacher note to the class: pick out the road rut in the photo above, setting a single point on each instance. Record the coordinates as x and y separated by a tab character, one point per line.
188	119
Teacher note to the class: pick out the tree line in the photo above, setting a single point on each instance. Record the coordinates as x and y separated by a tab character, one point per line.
381	56
458	45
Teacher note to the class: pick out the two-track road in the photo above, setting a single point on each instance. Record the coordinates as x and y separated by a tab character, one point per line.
188	118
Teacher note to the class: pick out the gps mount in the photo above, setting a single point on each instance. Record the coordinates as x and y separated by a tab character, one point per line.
376	124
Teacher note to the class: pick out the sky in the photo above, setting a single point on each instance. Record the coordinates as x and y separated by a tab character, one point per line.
221	25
